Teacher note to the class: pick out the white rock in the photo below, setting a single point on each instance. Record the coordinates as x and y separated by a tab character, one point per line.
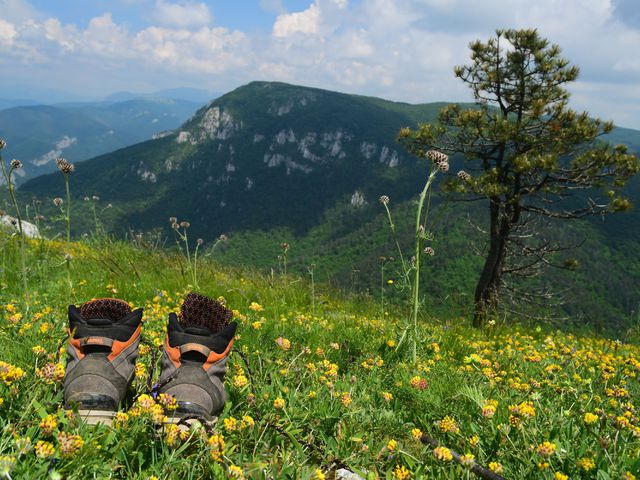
368	150
29	229
345	474
183	137
357	199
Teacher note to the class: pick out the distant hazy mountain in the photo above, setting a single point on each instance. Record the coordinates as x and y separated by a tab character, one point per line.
190	94
37	134
18	102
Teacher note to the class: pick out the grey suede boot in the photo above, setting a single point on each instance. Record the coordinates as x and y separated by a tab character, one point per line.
195	356
104	335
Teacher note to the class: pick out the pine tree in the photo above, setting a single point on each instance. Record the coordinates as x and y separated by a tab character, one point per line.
526	152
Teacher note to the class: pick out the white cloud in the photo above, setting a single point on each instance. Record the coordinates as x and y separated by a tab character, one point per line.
18	11
307	22
182	14
319	18
8	33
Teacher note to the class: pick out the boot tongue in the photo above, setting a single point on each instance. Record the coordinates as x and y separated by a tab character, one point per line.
104	311
203	315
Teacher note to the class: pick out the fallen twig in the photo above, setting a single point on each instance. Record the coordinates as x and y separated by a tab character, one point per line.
475	468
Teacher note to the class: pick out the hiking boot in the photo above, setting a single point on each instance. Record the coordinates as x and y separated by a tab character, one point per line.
195	356
104	335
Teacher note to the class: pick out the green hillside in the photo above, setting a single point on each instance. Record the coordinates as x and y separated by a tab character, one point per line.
269	163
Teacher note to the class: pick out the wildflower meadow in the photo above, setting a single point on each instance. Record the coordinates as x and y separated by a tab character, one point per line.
317	384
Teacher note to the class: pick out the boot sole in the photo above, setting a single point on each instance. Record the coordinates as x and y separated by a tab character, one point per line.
95	417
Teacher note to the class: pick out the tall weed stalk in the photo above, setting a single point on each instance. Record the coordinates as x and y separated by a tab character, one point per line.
8	173
411	270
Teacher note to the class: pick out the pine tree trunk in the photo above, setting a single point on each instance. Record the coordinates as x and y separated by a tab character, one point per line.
489	281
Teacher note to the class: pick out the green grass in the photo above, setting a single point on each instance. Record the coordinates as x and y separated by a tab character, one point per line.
350	399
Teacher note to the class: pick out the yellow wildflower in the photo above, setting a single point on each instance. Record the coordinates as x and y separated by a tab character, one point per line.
216	443
230	424
256	307
586	464
448	424
247	421
318	475
442	453
401	473
171	434
7	462
590	418
546	449
283	343
167	401
9	373
44	449
48	424
467	460
69	444
235	472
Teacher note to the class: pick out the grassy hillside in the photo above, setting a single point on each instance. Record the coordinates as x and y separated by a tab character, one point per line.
528	403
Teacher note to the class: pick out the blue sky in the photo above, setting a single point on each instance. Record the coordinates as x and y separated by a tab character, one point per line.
397	49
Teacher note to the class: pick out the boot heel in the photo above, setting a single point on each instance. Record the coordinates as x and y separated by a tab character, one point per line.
95	417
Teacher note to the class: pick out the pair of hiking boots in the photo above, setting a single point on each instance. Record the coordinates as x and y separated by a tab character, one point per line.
104	336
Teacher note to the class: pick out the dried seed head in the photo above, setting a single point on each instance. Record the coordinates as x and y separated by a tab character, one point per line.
16	164
173	220
2	144
57	201
175	226
86	199
67	257
384	200
464	176
437	157
429	251
443	166
185	224
95	198
284	246
109	205
223	238
199	241
64	166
